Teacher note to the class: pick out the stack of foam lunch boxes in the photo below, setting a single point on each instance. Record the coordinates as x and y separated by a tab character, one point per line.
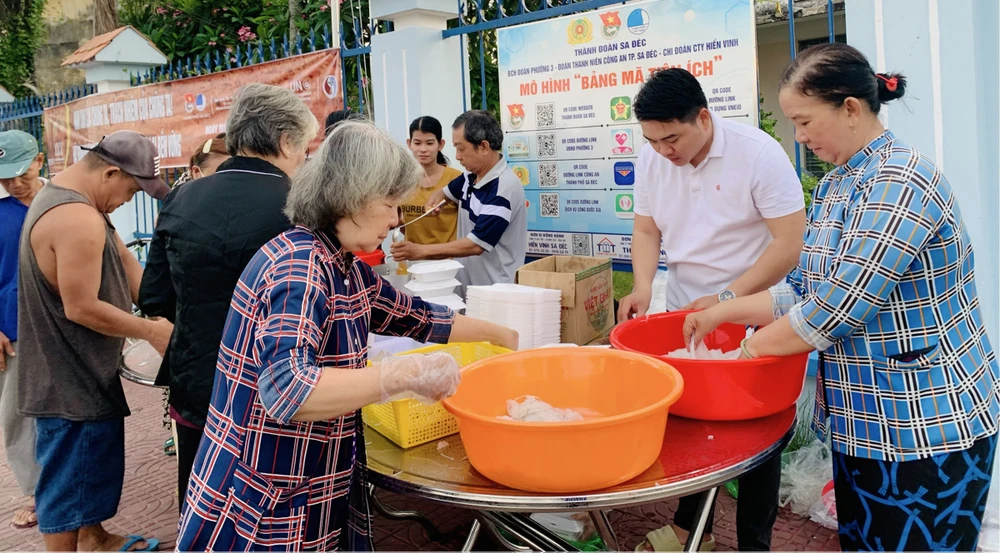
435	282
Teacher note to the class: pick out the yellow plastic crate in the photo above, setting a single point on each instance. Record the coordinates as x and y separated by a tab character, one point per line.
409	423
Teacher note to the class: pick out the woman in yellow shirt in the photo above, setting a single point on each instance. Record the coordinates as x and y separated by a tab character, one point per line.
426	143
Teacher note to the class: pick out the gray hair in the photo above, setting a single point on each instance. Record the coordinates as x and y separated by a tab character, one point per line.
357	164
480	126
262	115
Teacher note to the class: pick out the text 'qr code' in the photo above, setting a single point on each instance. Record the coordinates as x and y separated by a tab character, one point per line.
545	115
549	205
547	145
581	244
548	177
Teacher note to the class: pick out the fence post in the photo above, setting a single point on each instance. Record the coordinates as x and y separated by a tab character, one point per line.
426	76
792	45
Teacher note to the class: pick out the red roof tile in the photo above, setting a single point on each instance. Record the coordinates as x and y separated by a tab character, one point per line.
89	51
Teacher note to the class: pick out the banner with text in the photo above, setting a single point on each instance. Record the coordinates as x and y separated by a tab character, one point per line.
566	91
177	116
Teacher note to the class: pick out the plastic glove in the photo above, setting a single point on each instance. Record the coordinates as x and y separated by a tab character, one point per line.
426	378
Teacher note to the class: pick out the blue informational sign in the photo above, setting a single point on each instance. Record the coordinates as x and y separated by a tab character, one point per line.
566	91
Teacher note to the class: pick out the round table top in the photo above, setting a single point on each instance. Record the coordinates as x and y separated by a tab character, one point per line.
140	363
696	456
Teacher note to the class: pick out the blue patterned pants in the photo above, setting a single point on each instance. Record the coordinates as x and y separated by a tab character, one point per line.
934	504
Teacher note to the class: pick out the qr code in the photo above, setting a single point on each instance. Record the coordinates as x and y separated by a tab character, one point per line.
547	175
549	205
545	115
547	145
581	244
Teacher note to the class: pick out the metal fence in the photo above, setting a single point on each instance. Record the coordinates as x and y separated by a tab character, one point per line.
477	19
25	114
355	47
480	19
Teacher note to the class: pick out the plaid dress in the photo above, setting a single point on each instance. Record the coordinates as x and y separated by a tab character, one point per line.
885	290
262	481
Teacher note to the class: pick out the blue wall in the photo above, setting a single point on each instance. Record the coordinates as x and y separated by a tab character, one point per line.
948	51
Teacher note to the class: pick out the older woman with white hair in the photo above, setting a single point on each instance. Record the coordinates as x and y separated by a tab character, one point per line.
278	468
206	234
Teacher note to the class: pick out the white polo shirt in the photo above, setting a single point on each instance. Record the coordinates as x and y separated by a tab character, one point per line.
712	217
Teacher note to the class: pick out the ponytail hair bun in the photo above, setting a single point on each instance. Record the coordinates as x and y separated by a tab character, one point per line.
891	86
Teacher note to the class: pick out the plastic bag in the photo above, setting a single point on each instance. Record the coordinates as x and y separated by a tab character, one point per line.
701	351
142	358
824	511
532	409
658	303
808	470
570	526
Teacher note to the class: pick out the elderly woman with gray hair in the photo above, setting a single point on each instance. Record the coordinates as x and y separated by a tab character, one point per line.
206	234
277	469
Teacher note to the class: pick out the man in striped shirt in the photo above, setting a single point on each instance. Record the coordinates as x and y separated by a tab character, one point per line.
493	222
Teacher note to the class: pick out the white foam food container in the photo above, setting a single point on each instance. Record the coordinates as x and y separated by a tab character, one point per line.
435	271
427	290
451	301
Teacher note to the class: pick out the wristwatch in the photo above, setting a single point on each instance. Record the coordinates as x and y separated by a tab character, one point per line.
726	295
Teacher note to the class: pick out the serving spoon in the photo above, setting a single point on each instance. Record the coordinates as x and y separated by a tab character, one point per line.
397	234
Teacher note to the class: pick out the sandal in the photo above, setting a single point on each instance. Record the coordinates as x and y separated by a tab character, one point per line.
32	518
152	544
168	448
665	539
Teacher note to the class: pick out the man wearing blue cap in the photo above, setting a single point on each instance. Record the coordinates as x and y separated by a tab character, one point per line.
20	163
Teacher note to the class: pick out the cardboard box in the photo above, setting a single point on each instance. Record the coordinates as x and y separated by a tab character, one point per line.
587	293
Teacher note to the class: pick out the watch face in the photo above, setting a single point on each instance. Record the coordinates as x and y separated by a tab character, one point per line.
726	295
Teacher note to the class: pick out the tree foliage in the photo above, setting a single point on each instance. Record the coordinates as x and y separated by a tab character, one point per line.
21	32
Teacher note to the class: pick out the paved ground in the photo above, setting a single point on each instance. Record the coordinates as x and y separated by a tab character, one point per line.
149	504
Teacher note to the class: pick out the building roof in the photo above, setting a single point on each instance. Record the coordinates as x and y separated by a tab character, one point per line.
89	51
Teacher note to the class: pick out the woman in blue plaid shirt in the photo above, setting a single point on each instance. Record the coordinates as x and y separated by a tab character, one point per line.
908	389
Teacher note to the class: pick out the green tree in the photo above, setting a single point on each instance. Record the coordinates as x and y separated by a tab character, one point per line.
21	32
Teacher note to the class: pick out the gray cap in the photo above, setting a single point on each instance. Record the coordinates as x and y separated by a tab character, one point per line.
17	150
134	154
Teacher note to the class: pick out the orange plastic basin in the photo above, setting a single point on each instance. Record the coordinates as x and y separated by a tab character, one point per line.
624	398
716	390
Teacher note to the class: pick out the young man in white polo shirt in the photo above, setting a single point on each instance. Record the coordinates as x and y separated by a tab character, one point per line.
725	201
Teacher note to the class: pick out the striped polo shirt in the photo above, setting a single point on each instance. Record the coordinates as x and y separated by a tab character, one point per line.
493	215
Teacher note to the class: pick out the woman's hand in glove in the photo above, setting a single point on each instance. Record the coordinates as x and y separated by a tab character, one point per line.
428	378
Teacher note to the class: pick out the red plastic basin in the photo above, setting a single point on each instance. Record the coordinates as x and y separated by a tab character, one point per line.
716	390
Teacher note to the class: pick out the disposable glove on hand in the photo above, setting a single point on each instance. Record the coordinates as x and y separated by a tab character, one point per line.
426	378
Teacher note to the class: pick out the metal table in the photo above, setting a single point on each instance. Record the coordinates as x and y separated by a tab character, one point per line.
139	363
697	457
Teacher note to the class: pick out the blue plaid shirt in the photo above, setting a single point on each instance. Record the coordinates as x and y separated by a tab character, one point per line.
262	480
885	290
